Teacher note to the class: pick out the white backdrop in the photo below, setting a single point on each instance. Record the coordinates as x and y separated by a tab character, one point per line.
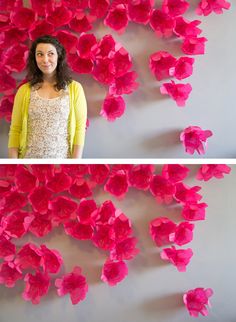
153	290
151	124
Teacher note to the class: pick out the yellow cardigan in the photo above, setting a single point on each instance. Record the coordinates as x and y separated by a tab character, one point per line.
76	121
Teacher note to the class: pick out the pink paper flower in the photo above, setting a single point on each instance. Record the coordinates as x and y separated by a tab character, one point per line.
14	59
205	7
6	105
162	229
87	45
75	170
117	18
194	211
183	68
104	237
117	184
185	28
36	286
12	201
113	107
140	11
161	63
40	28
24	180
140	176
60	16
208	171
175	7
43	171
81	22
125	84
105	46
99	172
186	194
67	39
9	274
41	225
23	17
73	283
17	223
104	71
162	189
10	4
7	249
80	189
86	211
79	231
175	172
178	92
29	256
122	226
98	8
39	199
80	65
122	61
11	36
7	86
196	301
42	7
106	212
114	272
124	250
178	257
183	233
194	45
51	260
194	139
60	182
63	209
82	4
162	23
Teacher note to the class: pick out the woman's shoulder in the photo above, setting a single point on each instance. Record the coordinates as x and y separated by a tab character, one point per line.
22	89
75	85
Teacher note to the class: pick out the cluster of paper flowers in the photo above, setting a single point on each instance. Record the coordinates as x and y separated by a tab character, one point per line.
38	198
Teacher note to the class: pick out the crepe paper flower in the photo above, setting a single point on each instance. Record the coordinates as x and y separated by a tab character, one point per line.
104	237
86	211
42	7
24	180
117	184
124	250
125	84
162	23
113	107
160	64
36	286
122	61
40	28
205	7
98	8
4	20
178	257
161	229
186	28
194	139
178	92
83	4
194	46
51	260
5	187
194	211
11	36
183	68
104	71
122	226
6	106
114	272
124	167
175	172
175	7
140	11
60	16
140	176
39	199
81	22
14	59
29	256
117	18
67	39
186	194
79	231
105	46
7	86
106	212
81	65
7	171
12	201
43	171
80	189
17	223
7	249
87	45
10	4
73	283
75	170
41	224
23	17
63	209
162	189
59	182
208	171
183	234
196	301
9	274
99	172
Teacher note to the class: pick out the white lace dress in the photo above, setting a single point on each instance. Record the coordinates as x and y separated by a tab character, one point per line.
48	126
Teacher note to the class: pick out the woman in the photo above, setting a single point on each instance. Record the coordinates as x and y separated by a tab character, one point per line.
49	112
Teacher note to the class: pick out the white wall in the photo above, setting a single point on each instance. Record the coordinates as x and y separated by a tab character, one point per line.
153	290
151	124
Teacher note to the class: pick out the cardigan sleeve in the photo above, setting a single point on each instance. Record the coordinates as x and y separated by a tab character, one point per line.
80	115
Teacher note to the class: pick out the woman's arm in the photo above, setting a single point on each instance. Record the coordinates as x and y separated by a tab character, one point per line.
77	151
13	153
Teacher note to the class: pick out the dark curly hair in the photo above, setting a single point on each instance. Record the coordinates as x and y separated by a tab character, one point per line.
34	74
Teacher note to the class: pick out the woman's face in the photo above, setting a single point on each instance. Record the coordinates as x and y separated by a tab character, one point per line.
46	58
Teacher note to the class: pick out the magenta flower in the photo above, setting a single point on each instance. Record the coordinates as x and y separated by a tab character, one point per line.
86	213
23	17
117	18
51	260
79	231
99	172
7	249
113	107
161	63
41	225
80	65
162	189
63	209
68	40
80	189
194	139
81	22
122	61
43	171
104	237
10	4
178	92
175	7
11	36
124	250
82	4
196	301
59	182
117	184
12	201
140	176
122	226
9	274
87	46
104	71
40	28
178	257
183	233
183	68
39	199
162	230
6	105
98	8
105	46
114	272
60	16
125	84
162	23
186	194
185	28
17	223
73	283
29	256
14	59
194	45
205	7
140	11
175	172
36	286
75	170
106	212
7	86
194	211
208	171
24	180
42	7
